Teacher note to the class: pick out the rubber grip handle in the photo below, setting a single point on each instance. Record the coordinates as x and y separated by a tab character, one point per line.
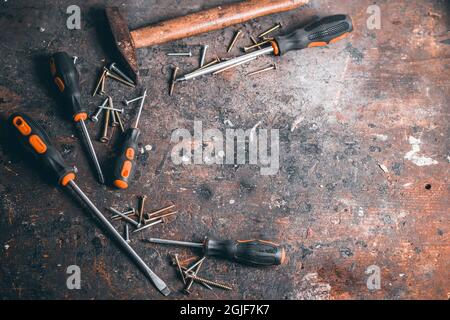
251	252
317	34
35	141
67	80
124	167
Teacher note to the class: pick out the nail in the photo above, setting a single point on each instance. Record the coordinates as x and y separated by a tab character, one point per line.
217	60
272	67
161	216
180	54
115	69
112	76
119	119
141	208
256	45
191	281
255	42
148	225
179	268
104	138
125	217
172	84
127	102
127	213
127	233
99	82
160	210
275	27
97	114
202	60
233	42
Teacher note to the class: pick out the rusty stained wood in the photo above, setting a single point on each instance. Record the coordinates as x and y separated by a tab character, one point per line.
344	113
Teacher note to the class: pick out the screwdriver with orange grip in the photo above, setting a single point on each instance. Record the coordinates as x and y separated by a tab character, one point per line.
124	166
251	252
66	78
35	141
320	33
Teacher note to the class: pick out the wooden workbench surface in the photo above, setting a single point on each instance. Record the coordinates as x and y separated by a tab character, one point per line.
364	157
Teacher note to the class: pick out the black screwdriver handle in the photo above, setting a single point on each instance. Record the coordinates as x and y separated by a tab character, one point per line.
251	252
320	33
125	163
67	80
36	142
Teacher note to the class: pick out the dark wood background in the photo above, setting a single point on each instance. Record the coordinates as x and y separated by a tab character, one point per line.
342	112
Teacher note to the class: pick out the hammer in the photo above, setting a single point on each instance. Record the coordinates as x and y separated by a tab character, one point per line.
217	18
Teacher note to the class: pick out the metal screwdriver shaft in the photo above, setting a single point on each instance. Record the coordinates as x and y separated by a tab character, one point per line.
162	287
91	151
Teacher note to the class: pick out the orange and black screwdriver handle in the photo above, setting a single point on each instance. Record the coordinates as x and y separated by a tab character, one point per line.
66	78
36	142
125	163
252	252
320	33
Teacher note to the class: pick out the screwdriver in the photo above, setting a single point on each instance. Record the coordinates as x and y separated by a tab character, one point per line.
36	142
66	78
251	252
124	167
320	33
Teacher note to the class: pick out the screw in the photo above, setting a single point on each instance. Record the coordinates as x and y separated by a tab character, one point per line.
233	42
127	102
112	76
191	281
275	27
246	49
272	67
174	76
104	138
97	114
202	60
212	283
202	283
180	54
127	233
115	69
99	82
141	208
127	213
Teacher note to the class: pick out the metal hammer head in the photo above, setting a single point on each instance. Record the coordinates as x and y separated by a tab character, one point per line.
123	41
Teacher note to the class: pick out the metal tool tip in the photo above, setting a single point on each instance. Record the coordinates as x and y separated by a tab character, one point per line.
165	291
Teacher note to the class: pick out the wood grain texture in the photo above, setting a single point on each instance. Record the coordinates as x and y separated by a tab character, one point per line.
210	20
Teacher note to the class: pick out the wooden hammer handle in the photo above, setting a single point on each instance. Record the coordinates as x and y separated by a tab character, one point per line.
210	20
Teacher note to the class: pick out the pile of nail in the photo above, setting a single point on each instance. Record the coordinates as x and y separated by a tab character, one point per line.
256	45
112	116
190	274
140	220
